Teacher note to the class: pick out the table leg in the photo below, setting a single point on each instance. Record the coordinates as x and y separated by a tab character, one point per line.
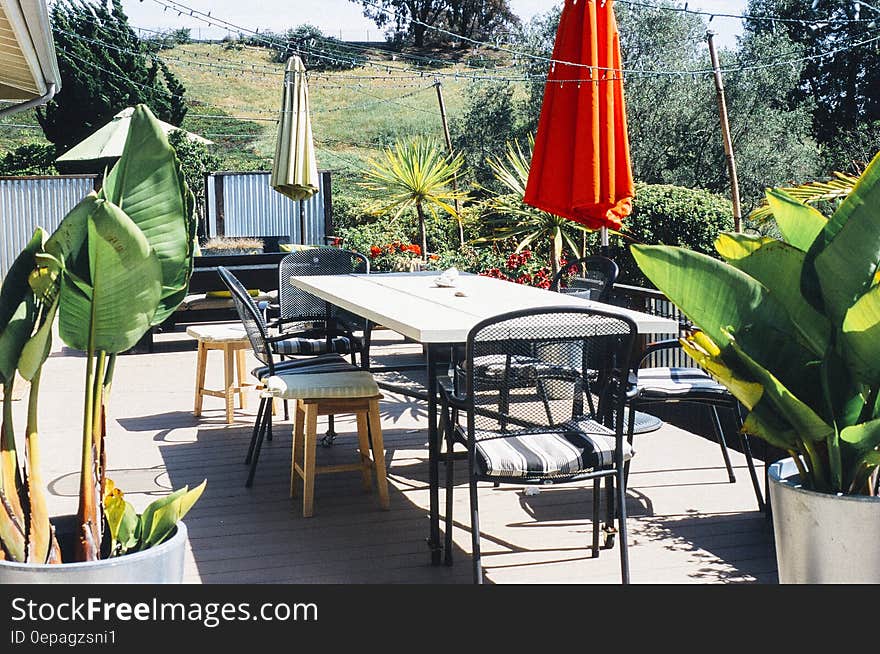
433	457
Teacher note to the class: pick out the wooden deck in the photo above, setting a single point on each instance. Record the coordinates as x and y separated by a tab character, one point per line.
687	523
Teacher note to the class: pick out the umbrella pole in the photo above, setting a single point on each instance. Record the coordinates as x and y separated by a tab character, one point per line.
302	222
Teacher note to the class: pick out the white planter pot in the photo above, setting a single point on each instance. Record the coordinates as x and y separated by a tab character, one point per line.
822	538
162	564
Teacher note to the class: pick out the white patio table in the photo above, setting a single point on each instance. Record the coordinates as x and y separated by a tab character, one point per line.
414	306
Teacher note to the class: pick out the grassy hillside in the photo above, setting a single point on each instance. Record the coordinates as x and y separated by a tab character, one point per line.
352	113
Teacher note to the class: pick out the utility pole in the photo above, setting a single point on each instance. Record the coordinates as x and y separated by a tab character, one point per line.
439	86
725	131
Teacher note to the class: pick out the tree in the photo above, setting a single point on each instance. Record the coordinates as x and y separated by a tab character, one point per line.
407	16
473	19
105	68
842	85
486	123
416	173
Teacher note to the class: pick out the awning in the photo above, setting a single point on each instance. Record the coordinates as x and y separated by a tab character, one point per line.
28	67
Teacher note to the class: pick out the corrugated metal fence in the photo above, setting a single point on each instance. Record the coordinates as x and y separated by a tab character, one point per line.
244	204
30	202
238	204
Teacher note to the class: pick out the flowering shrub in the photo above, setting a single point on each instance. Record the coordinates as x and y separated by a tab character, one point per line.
396	256
521	268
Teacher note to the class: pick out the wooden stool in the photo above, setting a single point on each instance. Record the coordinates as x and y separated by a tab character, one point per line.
233	341
328	394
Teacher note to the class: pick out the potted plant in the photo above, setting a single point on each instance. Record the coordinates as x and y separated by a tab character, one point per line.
792	327
117	264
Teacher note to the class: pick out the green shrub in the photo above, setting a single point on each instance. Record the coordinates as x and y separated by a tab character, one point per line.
29	159
670	215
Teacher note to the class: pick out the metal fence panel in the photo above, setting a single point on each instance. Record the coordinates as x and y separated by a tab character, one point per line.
30	202
244	204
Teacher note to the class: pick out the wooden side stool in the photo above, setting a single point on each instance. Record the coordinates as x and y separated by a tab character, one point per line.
329	394
233	341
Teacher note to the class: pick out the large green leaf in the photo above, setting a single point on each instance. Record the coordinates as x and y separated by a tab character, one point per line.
67	242
799	223
147	183
860	337
17	306
806	422
126	286
845	256
777	265
716	296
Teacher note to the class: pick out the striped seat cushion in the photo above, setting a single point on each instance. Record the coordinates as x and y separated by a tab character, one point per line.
664	382
323	363
554	452
518	368
304	345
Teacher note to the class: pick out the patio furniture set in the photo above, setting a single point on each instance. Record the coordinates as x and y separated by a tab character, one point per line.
536	387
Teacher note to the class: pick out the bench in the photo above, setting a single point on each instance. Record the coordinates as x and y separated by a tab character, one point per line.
255	271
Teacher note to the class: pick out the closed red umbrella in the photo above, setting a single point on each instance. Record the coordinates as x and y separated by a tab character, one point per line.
581	165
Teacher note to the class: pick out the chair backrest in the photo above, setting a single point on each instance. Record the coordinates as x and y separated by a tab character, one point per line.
298	304
591	277
251	318
534	367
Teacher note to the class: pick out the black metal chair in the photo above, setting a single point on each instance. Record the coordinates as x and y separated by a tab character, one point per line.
530	437
680	383
592	279
315	326
264	347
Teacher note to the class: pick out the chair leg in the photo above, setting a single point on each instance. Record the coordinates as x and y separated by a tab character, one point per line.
621	527
747	450
201	364
630	434
364	450
310	442
597	488
266	426
719	434
375	442
450	483
297	447
258	425
475	531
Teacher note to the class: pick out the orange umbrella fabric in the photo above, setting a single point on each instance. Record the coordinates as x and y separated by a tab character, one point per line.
581	165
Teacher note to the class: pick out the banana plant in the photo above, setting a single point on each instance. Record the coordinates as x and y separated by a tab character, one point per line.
791	327
117	264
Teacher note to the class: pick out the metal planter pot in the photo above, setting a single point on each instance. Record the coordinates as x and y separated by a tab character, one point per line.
162	564
823	538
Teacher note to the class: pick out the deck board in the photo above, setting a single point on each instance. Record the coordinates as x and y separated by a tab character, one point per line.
687	524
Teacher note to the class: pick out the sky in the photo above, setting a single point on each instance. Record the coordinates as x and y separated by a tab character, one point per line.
344	18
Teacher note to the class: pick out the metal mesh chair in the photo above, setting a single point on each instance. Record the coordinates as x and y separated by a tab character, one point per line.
691	384
535	434
263	345
593	278
315	326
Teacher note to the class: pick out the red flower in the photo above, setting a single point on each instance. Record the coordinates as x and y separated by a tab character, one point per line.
336	241
415	249
433	257
375	250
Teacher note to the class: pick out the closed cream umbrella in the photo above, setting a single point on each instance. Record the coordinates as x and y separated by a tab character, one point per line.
28	67
295	169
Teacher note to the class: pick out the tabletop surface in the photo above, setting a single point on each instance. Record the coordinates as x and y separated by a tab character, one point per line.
413	305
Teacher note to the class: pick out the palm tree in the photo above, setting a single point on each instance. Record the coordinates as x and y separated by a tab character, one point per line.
511	218
416	173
